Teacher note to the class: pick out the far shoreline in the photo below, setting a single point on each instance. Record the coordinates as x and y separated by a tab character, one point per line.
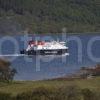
67	33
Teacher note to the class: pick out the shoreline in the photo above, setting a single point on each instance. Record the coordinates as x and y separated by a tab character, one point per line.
76	33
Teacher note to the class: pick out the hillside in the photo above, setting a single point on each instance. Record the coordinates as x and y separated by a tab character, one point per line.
43	16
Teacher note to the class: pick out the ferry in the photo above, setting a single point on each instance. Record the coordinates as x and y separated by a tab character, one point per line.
45	48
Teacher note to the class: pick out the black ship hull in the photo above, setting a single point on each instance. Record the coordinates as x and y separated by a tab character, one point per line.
45	52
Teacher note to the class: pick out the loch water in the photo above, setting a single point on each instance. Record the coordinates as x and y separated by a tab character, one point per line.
84	51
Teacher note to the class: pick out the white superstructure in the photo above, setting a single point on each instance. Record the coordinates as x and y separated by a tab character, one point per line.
54	45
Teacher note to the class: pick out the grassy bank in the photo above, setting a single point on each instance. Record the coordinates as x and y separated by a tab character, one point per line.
16	88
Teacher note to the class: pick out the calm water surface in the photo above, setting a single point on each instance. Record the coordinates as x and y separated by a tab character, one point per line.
35	68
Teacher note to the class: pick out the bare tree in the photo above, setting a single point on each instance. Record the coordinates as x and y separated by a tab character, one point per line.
6	72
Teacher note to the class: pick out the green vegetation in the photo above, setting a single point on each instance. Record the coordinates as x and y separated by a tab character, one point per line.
49	16
78	89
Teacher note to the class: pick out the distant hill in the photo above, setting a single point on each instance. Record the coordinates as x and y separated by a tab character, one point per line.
43	16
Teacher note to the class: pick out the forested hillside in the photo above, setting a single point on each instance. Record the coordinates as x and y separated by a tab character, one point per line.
49	16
